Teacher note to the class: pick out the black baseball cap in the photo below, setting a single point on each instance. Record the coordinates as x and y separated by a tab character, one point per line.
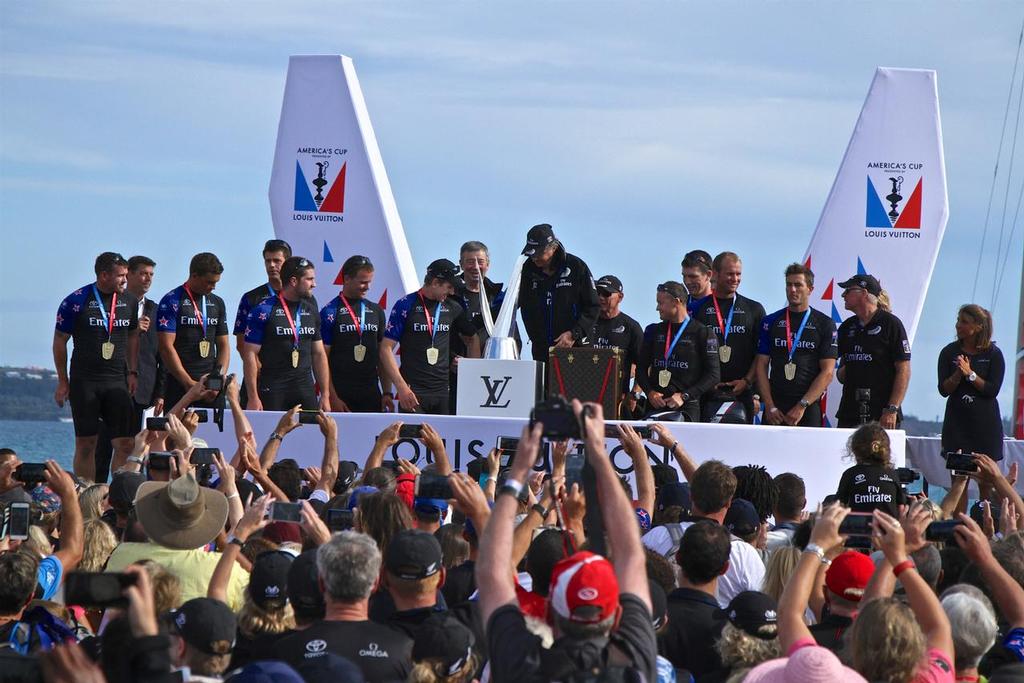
443	269
753	612
268	581
741	519
868	283
123	487
676	290
674	493
609	283
206	624
413	554
443	637
347	472
304	587
538	238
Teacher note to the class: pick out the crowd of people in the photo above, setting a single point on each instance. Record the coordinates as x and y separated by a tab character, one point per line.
197	565
249	568
714	356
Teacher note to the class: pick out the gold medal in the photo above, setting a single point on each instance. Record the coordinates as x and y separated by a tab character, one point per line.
295	358
790	371
664	377
359	351
107	350
724	353
432	355
204	348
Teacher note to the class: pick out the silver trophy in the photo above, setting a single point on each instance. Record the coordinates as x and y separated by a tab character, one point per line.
499	345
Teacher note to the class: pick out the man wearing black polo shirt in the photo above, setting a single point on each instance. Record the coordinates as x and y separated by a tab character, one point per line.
103	319
283	345
193	329
678	357
422	323
874	354
694	619
736	322
615	329
352	327
557	299
796	355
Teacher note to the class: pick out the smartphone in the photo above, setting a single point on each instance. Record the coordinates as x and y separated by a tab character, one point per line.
156	424
215	383
160	460
203	415
308	417
942	531
905	475
611	431
97	589
339	520
433	486
507	443
30	473
286	512
18	520
574	469
961	462
856	524
203	456
410	431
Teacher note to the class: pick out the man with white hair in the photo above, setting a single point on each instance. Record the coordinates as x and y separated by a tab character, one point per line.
874	354
973	621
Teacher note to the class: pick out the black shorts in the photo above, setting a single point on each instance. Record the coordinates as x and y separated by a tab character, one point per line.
431	404
109	401
359	399
285	394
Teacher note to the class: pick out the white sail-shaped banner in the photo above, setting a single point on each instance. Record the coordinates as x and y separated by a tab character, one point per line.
887	210
329	193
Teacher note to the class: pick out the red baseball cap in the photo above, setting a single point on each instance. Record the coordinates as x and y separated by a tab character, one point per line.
584	588
849	575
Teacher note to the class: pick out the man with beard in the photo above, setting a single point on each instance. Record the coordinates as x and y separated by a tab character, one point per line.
615	329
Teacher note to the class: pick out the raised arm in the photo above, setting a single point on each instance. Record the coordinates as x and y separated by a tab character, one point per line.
72	531
432	440
385	440
329	464
1006	592
285	426
634	447
661	436
627	553
250	522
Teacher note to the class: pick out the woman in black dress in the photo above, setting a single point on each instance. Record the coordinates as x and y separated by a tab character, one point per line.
970	375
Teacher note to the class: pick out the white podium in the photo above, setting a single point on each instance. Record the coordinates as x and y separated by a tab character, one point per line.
498	388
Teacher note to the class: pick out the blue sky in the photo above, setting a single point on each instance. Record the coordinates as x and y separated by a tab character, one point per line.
639	130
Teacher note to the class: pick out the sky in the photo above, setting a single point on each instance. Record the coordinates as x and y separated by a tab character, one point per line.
639	130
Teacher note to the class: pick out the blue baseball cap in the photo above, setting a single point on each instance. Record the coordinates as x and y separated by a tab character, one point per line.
742	519
430	505
361	491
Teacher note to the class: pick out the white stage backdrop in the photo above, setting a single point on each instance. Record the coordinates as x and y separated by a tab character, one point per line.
887	210
329	193
814	454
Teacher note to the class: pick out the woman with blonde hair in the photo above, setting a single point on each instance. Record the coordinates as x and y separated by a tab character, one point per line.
780	567
971	373
98	544
93	501
443	652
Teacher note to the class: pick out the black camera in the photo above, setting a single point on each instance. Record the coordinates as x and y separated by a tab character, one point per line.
557	418
30	473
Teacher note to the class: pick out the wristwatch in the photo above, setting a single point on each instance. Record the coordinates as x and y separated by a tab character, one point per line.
892	408
540	510
819	551
511	487
277	436
135	459
973	376
804	403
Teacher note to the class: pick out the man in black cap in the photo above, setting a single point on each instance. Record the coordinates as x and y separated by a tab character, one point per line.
423	322
203	636
736	321
874	355
283	346
678	358
615	329
796	355
352	327
413	574
557	299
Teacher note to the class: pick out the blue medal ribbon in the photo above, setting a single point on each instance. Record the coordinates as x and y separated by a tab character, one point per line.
675	340
103	311
799	332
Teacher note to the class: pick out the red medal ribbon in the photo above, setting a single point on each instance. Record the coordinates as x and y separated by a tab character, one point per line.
288	314
195	307
352	313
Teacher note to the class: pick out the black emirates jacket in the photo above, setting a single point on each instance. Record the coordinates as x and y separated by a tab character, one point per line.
551	305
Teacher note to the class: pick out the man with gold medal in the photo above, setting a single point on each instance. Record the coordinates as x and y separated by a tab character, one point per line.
736	321
352	327
283	348
796	355
102	318
193	330
423	322
678	359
